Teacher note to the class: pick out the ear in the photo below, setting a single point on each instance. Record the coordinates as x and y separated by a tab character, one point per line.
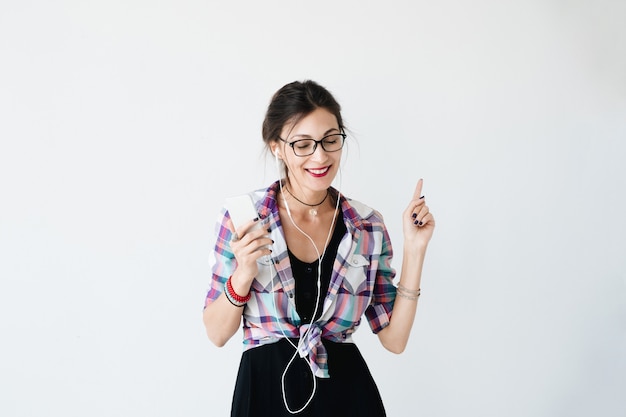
276	150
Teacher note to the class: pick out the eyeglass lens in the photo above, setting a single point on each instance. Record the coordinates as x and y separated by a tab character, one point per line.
330	143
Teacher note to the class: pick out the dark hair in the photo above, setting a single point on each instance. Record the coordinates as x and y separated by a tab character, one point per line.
295	101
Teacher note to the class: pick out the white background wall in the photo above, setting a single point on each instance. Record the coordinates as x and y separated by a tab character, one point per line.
124	124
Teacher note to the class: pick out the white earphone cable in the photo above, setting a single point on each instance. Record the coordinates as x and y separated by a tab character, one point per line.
302	339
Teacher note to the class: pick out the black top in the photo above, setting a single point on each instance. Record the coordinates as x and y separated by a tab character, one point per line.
305	275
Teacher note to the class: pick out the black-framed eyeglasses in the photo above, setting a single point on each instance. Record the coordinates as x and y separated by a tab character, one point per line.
306	147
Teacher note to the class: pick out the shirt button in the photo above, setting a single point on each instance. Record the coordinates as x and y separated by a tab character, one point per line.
354	261
309	269
290	295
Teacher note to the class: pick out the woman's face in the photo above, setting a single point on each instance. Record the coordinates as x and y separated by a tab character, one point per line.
315	172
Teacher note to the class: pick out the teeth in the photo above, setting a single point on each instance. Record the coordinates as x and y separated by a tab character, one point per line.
318	171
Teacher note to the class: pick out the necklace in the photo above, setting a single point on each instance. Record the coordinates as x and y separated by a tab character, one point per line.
313	209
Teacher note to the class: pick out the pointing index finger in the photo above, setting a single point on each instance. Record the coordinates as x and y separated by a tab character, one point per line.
418	189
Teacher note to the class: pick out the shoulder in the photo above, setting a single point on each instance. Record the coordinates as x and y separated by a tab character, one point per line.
363	210
360	213
369	222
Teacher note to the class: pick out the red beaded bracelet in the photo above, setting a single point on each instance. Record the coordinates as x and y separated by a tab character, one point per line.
238	298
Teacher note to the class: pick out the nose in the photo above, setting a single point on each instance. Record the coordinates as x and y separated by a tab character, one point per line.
319	154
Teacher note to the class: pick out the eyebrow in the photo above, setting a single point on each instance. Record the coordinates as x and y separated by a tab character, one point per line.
303	136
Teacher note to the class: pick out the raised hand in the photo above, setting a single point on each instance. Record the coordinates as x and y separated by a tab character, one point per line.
418	222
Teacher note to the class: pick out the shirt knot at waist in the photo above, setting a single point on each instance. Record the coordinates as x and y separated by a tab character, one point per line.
311	345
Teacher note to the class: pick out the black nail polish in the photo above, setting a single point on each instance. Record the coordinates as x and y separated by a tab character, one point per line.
273	241
416	222
421	197
268	230
414	215
420	223
255	219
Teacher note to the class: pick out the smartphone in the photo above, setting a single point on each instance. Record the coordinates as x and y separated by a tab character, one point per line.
241	210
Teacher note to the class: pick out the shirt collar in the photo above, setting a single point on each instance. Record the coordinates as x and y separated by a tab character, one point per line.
353	211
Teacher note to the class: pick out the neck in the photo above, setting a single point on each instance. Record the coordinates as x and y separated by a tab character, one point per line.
304	201
311	204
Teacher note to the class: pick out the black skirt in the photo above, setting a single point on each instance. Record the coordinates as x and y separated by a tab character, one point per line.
350	390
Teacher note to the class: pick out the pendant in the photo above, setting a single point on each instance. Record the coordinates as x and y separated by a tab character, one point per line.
313	212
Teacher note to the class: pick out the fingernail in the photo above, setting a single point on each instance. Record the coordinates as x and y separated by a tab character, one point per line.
414	215
420	223
421	197
269	230
255	219
273	241
416	222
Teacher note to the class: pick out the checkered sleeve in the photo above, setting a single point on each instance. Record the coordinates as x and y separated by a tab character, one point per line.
378	313
221	259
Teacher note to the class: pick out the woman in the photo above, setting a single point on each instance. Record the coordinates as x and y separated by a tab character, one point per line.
303	281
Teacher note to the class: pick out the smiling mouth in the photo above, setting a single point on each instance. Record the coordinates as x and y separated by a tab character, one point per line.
318	171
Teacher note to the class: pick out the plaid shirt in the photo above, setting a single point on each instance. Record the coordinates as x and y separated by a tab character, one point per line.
361	282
